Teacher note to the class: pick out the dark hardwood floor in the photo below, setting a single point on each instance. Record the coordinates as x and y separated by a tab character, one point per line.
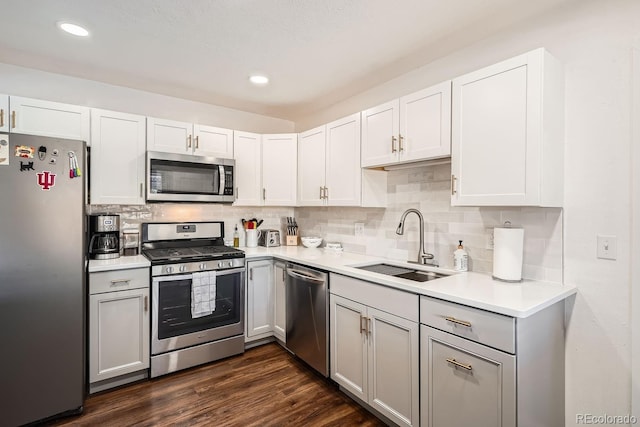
265	386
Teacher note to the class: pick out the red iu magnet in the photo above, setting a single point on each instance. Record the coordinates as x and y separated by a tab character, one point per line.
46	180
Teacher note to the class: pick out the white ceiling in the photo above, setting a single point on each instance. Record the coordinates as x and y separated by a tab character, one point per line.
316	52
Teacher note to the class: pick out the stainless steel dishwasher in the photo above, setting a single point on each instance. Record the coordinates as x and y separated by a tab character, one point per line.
307	316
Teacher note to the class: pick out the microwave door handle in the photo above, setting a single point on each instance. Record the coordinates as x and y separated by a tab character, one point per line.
222	179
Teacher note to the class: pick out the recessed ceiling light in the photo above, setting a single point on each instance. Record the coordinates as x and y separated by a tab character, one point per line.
259	80
74	29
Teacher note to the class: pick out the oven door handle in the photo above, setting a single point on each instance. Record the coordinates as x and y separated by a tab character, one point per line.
158	279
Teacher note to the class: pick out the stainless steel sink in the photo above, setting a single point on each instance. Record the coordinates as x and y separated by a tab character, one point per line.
402	272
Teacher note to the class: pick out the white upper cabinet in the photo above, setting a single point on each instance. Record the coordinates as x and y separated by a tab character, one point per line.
507	134
311	167
4	113
329	164
279	169
171	136
413	128
46	118
117	158
248	170
380	128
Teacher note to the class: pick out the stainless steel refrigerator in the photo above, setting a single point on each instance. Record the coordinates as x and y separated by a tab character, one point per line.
42	277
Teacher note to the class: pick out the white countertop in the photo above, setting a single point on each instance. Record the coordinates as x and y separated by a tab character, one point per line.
474	289
122	263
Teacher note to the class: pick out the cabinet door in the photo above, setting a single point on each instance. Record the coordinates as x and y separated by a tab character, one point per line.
464	383
169	136
280	303
498	139
248	172
118	333
46	118
279	169
311	167
393	367
343	173
260	282
213	141
117	158
4	113
380	134
425	124
348	349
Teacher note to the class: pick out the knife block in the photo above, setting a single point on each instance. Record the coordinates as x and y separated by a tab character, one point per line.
291	240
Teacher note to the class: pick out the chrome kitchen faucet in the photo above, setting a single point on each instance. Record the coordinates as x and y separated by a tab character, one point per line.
423	256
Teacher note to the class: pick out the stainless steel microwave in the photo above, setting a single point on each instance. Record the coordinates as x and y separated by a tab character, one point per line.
186	178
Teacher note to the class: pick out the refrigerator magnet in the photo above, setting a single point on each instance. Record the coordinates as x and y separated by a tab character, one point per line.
4	151
26	166
42	152
25	151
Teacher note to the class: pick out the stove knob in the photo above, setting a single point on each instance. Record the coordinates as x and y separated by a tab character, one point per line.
183	268
203	266
220	264
230	263
169	270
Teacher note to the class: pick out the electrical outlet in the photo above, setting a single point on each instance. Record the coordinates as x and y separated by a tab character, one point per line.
607	247
358	230
489	239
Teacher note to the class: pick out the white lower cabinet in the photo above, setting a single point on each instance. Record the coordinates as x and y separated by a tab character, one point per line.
260	290
374	346
280	302
118	327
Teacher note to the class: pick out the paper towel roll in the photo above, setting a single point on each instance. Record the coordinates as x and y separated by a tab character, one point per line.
508	244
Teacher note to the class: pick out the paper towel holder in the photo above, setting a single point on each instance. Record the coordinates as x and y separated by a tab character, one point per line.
508	253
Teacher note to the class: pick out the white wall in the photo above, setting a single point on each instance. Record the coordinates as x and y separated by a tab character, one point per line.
30	83
594	40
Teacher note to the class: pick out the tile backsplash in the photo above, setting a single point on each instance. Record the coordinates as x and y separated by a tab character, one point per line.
426	188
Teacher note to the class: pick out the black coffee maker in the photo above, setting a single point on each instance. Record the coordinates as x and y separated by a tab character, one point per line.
104	236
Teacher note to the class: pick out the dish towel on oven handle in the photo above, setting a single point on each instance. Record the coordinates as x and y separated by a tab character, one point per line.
203	294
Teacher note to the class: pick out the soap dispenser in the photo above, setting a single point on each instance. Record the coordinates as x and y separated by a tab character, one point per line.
460	258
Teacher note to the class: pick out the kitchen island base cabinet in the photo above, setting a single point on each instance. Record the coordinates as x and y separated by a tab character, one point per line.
118	328
374	347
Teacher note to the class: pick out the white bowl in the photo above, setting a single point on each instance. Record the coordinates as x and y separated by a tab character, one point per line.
311	242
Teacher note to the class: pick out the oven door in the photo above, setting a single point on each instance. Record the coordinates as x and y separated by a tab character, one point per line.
174	328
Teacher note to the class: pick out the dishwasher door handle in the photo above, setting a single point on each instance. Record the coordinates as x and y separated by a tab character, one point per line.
302	275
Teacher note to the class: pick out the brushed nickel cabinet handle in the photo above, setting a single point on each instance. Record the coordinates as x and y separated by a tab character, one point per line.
198	141
189	141
363	323
119	281
284	275
141	189
454	362
264	194
251	274
400	138
321	195
13	120
1	117
453	185
457	322
369	326
326	192
146	303
393	144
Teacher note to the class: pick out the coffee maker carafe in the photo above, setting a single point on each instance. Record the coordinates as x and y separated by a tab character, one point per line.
104	236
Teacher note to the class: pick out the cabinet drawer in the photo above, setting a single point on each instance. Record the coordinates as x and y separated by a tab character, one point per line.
118	280
494	330
399	303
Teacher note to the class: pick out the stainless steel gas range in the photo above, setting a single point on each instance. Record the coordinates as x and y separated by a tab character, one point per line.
197	294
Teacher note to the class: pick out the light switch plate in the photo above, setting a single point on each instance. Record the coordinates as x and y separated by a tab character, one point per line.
607	247
358	230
